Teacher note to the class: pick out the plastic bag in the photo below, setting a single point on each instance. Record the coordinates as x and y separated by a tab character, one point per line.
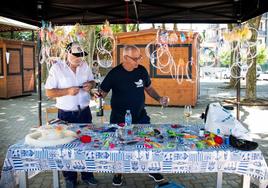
221	121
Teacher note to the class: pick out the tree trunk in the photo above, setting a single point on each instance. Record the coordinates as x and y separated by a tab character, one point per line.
91	45
175	28
124	27
132	27
233	81
251	74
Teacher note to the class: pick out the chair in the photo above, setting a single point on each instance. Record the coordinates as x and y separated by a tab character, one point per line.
50	110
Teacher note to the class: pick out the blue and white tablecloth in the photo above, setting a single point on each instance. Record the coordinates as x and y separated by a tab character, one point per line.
174	156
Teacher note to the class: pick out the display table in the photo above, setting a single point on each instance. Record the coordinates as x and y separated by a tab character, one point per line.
146	152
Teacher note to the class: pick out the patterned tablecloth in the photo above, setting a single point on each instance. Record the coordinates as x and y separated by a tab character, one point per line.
108	153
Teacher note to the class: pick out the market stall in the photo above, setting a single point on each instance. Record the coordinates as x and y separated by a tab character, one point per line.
17	60
146	11
17	76
182	86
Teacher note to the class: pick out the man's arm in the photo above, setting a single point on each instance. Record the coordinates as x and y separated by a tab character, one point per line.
62	92
151	91
162	100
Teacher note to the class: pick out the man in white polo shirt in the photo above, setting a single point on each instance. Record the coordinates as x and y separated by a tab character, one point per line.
70	82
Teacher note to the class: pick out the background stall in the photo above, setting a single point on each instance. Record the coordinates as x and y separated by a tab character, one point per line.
17	60
181	91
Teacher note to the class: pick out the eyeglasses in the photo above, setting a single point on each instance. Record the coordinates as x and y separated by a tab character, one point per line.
135	58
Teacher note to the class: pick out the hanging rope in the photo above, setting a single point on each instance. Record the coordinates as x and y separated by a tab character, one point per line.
176	70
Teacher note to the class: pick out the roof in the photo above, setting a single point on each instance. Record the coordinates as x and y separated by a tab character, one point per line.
7	24
61	12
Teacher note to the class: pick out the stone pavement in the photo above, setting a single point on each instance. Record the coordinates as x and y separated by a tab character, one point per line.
18	115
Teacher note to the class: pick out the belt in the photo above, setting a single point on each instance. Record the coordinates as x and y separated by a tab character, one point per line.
74	111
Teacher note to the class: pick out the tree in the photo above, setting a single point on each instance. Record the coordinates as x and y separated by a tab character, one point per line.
19	35
262	55
124	27
251	74
175	27
232	59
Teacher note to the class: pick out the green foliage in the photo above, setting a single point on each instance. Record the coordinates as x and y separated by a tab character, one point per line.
201	62
19	35
225	58
262	55
5	35
132	27
116	28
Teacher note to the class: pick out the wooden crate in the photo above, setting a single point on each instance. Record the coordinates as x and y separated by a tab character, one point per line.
18	76
180	94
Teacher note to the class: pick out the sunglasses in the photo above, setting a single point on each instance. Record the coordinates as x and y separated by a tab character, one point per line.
135	58
81	54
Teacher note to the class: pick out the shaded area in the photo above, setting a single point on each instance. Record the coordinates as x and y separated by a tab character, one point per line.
148	11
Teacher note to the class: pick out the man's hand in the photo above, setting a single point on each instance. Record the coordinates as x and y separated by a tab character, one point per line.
97	93
87	86
73	91
164	100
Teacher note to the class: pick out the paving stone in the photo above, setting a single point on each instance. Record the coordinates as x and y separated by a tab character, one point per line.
46	184
102	186
233	183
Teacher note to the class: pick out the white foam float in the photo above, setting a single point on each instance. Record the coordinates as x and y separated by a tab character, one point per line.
49	137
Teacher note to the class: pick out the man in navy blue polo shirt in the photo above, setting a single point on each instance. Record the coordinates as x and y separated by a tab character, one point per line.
128	81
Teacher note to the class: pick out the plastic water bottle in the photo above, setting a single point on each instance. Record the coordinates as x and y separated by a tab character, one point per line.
128	118
128	122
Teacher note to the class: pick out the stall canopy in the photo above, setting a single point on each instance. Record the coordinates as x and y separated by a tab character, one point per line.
7	25
61	12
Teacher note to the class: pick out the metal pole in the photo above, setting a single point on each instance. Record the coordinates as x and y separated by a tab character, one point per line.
136	12
40	15
238	86
238	97
39	84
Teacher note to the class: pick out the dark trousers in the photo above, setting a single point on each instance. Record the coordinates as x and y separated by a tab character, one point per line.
83	116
